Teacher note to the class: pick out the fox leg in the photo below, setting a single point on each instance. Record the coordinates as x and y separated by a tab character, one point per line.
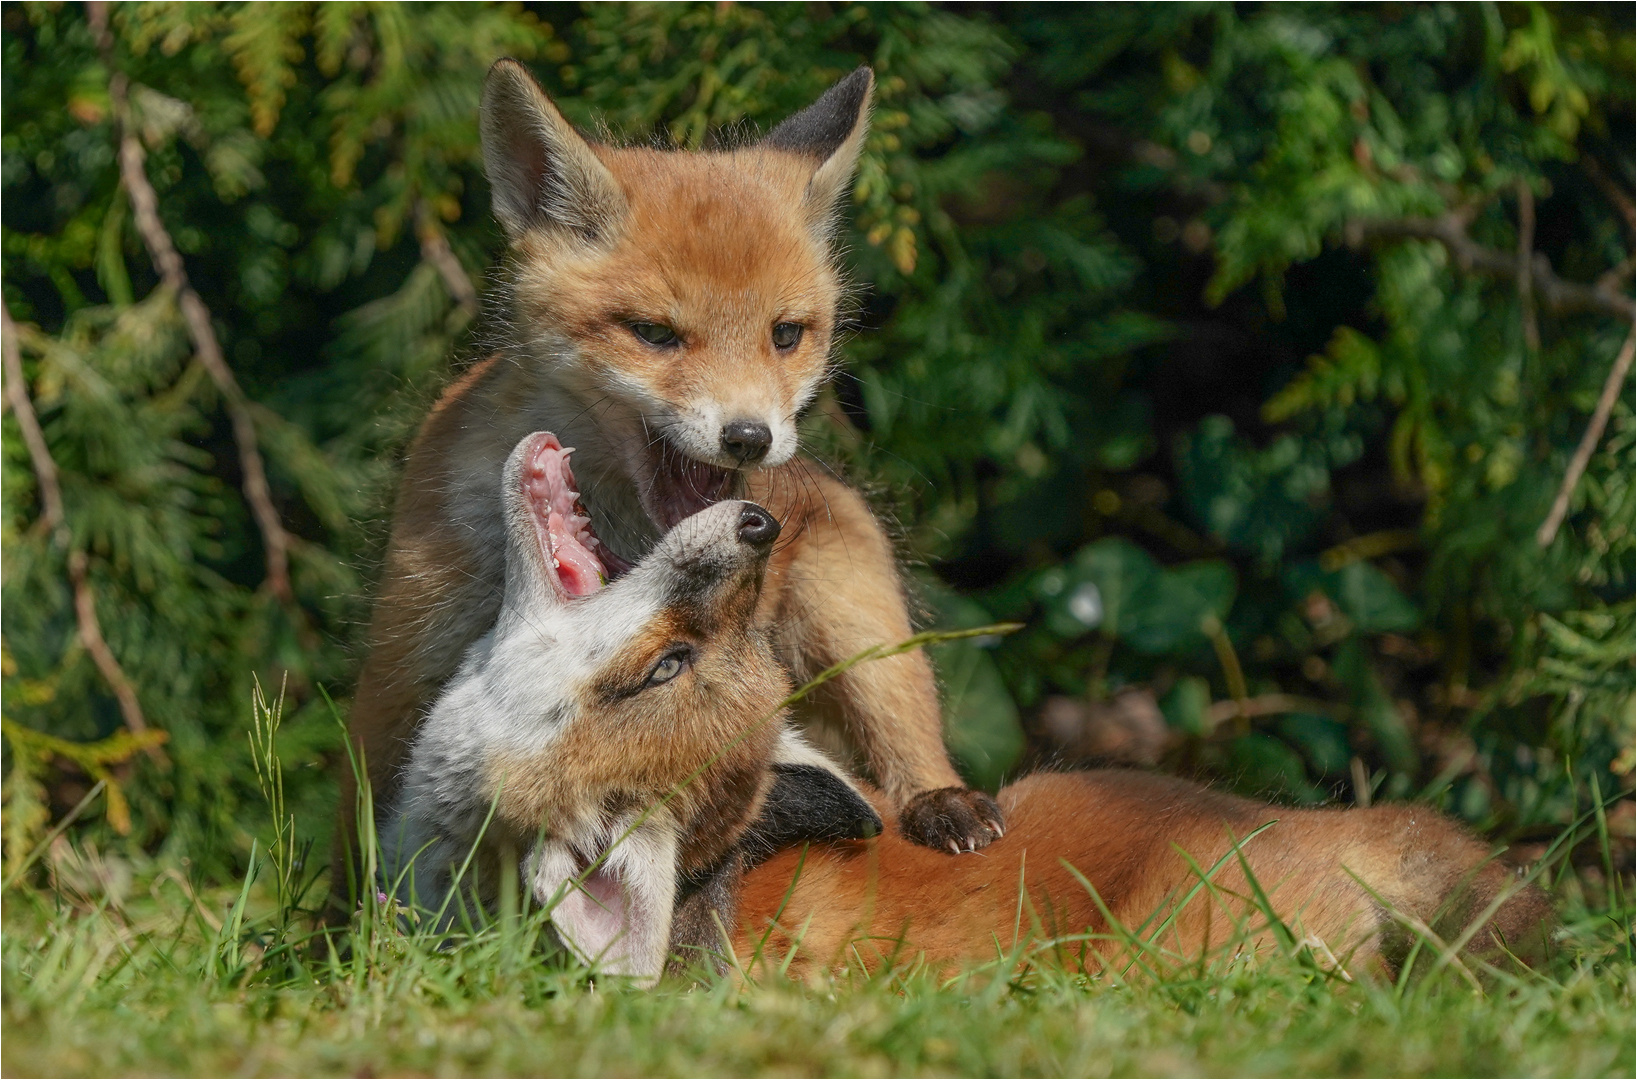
837	592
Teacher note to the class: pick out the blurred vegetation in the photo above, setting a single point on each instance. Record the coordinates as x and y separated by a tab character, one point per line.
1194	336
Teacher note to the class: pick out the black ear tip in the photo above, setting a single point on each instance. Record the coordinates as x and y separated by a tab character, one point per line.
853	90
823	126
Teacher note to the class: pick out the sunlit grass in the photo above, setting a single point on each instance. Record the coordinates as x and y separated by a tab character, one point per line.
150	984
111	968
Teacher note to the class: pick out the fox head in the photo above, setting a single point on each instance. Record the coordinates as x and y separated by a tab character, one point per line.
686	301
657	686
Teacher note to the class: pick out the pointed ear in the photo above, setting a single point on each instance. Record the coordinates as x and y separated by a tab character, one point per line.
542	173
831	131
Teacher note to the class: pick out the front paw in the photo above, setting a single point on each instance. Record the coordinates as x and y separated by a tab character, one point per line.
953	819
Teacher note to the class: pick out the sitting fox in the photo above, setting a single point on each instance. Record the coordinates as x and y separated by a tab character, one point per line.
672	314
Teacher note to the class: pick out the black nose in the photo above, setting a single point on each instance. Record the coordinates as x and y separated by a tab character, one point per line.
757	527
746	440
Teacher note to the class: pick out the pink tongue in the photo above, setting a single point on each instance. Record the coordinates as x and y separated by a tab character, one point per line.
548	484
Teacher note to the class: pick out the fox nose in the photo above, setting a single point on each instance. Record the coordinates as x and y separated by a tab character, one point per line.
746	441
757	527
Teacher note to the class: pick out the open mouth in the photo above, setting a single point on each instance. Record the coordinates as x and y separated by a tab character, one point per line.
576	561
681	486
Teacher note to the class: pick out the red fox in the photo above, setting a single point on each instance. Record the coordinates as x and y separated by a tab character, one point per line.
1355	885
623	736
671	315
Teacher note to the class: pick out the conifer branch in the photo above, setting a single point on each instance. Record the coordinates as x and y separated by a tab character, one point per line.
1449	229
56	525
1588	442
167	261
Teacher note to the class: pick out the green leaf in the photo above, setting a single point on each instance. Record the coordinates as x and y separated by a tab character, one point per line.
1184	707
1374	707
1264	766
1368	597
1177	609
1095	590
1322	740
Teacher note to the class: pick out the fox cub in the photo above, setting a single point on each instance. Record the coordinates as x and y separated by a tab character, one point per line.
671	314
624	737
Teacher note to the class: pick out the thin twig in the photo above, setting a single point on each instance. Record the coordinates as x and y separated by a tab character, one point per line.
56	524
1588	442
435	249
168	263
1219	712
1558	295
1609	280
1526	264
45	467
1616	194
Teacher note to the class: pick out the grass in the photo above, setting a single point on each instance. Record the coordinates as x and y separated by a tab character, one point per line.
154	985
114	968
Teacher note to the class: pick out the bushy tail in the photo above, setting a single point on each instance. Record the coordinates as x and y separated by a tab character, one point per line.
1449	883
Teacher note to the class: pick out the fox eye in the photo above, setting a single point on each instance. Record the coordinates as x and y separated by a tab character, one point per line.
668	667
786	334
654	333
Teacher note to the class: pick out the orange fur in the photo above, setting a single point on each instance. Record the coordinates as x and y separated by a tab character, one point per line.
884	900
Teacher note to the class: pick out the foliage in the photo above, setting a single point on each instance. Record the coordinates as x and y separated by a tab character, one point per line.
1139	361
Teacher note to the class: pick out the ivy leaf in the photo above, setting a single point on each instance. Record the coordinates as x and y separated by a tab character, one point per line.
1173	611
1368	597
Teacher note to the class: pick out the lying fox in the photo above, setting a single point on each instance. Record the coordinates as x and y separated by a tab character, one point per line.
630	738
1355	885
671	315
625	736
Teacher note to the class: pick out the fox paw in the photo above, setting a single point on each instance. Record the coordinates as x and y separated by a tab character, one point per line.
952	819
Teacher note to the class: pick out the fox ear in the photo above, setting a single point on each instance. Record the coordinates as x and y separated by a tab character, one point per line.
830	131
542	173
811	798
